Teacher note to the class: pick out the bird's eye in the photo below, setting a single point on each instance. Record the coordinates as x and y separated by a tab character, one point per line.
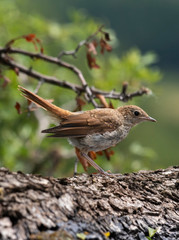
136	113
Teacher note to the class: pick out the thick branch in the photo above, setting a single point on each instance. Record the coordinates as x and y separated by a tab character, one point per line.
53	60
61	83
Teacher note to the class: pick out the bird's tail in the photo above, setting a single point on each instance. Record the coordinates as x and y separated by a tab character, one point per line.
54	110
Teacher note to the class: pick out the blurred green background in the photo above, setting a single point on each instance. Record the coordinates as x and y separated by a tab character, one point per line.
144	37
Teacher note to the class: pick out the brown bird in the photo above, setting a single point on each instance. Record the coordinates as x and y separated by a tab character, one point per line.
93	130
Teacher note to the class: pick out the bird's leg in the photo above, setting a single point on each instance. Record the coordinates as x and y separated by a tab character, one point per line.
92	163
75	167
82	160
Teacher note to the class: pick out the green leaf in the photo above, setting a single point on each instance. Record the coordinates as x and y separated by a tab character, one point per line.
81	236
149	238
152	232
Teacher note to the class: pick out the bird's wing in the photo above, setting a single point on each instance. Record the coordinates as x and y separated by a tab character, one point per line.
82	124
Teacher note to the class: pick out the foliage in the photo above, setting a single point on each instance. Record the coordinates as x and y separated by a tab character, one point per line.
22	147
134	27
152	232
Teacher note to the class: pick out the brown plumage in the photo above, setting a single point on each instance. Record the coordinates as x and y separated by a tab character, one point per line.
92	130
54	110
85	123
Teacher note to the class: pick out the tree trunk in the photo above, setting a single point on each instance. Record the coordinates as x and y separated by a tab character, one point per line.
125	206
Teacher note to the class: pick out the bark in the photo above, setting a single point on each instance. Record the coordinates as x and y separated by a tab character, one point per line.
90	206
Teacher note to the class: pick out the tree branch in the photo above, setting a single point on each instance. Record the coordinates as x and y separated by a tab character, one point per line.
82	43
49	59
61	83
91	93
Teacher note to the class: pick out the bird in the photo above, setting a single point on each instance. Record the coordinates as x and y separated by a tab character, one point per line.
91	130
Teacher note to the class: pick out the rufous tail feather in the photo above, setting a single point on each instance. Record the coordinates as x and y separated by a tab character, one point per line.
54	110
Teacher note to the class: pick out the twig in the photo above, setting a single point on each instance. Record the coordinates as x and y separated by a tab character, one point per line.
91	92
82	43
124	88
39	85
56	61
35	91
75	87
103	101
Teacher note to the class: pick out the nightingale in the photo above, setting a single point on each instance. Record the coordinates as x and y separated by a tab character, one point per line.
92	130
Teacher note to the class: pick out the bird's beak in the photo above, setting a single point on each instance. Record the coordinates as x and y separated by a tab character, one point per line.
150	119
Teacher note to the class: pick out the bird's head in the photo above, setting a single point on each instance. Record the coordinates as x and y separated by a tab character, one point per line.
133	115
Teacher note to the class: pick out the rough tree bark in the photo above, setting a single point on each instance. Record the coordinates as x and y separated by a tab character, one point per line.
89	206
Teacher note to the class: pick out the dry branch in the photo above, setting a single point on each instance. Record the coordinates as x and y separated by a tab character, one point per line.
82	43
83	88
90	92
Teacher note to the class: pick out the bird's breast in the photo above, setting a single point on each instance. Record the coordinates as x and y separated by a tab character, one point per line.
97	141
